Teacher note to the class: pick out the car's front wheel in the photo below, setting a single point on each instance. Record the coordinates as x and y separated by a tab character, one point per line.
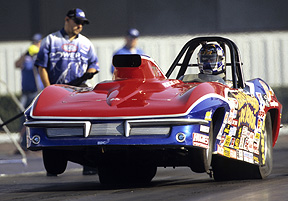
230	169
55	161
267	143
201	158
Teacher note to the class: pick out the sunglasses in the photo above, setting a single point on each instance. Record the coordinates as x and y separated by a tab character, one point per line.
77	21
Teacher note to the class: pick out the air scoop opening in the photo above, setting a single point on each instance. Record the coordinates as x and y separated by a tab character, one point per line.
127	60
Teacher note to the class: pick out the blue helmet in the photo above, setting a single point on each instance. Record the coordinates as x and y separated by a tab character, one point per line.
211	59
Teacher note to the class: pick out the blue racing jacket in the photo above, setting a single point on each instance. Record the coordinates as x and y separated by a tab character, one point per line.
66	60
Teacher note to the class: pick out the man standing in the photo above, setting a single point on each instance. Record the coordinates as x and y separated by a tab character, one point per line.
130	47
31	82
68	57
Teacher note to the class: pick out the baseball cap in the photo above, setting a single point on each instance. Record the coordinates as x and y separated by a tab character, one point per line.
78	14
134	33
37	37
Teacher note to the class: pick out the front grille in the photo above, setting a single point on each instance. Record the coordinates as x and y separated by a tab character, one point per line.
154	130
115	129
65	132
143	127
107	129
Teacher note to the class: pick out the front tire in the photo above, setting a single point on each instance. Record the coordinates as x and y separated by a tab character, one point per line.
230	169
266	166
201	158
55	161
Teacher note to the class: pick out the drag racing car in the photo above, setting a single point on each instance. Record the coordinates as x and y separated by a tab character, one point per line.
202	114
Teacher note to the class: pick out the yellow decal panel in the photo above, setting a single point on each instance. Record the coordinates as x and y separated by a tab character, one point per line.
241	134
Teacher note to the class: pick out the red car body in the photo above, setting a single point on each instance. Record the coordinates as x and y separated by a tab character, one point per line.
141	120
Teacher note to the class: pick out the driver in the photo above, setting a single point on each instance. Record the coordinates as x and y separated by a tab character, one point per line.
211	62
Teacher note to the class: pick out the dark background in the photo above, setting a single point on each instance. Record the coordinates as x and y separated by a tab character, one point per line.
20	19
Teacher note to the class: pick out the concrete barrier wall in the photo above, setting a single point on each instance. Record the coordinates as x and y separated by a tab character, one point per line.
263	54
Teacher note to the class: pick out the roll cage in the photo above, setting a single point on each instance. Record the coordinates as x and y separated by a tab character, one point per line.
189	48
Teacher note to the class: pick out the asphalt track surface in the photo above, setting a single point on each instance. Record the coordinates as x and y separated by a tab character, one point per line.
18	182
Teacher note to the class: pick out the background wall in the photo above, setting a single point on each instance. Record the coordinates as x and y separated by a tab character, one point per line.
20	19
264	55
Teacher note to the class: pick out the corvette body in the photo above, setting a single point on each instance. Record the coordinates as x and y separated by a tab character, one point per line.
143	119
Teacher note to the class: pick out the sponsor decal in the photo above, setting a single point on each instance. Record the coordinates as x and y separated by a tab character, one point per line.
237	141
226	152
233	115
248	157
233	102
246	144
200	140
204	129
261	101
219	136
263	148
208	115
251	145
257	136
226	118
239	155
244	131
227	129
241	134
247	117
267	89
256	160
230	119
267	101
232	143
69	47
222	140
103	142
248	107
274	104
242	142
82	14
260	124
234	123
54	56
233	131
233	154
170	83
256	147
227	141
261	114
220	150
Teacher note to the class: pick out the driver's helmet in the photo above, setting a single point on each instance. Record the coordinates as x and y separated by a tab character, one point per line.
211	59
